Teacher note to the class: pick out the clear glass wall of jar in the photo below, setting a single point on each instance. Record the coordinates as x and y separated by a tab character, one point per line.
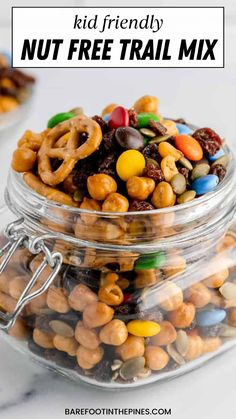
125	299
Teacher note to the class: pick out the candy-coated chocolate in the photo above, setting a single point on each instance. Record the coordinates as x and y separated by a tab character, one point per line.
151	261
143	328
184	129
130	163
119	117
189	147
216	156
129	138
205	184
210	317
144	118
59	117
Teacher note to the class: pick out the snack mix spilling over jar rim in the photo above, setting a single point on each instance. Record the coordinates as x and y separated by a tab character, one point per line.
135	299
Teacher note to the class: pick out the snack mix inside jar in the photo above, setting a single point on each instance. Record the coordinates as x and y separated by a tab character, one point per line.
117	261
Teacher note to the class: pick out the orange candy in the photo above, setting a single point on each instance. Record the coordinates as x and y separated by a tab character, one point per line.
189	147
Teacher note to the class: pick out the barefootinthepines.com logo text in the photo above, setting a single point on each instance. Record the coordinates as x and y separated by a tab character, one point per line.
118	411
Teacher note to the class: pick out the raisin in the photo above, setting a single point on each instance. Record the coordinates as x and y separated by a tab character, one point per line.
154	315
211	331
208	140
151	152
102	371
108	165
83	170
219	171
109	143
141	206
156	127
103	125
154	173
133	118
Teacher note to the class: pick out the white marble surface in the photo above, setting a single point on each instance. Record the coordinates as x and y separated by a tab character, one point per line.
204	96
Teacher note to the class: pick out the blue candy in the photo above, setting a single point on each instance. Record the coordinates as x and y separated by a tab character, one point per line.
216	156
205	184
210	317
106	117
183	129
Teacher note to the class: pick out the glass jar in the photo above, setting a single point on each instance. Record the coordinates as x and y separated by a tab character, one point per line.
119	299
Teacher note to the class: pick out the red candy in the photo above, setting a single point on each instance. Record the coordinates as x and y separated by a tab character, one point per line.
119	118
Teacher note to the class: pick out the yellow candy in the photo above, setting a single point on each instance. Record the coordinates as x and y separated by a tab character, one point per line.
130	163
143	328
165	149
168	168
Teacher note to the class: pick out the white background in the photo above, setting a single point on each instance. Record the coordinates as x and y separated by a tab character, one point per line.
206	97
177	24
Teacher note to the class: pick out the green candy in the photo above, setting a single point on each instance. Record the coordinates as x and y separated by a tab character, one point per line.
144	118
150	261
59	117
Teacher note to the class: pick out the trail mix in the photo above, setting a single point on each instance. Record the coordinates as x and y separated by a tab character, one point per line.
124	160
13	86
109	326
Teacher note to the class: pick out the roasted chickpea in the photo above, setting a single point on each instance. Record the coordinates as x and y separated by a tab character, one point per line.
86	337
227	242
80	297
176	265
8	103
100	231
111	294
43	339
17	286
23	159
97	314
169	297
140	187
7	303
91	205
217	280
147	278
19	330
199	295
183	316
211	344
65	344
115	202
88	358
56	300
166	336
156	358
114	333
195	347
163	196
100	186
133	347
146	103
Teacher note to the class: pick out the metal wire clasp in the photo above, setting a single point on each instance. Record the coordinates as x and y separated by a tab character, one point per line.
18	239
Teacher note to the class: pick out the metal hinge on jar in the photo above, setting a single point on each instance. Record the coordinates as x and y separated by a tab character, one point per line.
19	239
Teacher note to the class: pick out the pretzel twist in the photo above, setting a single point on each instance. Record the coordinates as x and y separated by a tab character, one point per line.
70	151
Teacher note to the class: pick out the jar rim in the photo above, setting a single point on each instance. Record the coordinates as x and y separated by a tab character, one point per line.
17	178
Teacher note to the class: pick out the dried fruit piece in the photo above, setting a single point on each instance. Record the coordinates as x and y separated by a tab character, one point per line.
219	171
157	127
208	139
154	173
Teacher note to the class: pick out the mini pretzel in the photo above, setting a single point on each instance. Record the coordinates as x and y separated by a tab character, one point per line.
71	152
53	194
